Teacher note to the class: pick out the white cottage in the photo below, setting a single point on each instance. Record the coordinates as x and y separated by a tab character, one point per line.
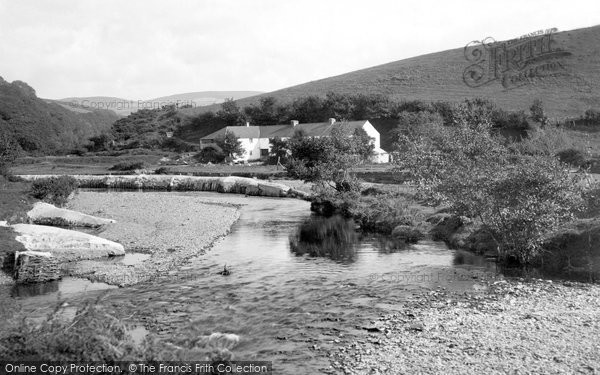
255	139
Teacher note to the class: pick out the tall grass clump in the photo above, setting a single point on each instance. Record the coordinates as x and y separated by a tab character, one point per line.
55	190
92	335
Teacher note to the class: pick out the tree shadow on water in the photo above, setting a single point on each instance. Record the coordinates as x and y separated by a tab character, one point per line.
331	237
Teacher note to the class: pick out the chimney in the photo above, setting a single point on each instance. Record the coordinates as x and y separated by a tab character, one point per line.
294	122
331	121
247	123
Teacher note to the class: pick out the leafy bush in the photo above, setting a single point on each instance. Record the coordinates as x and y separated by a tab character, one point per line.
327	160
9	150
537	112
55	190
210	155
519	198
162	170
592	117
178	145
230	145
573	157
127	166
547	142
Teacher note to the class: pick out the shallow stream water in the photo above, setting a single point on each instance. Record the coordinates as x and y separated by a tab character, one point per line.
298	285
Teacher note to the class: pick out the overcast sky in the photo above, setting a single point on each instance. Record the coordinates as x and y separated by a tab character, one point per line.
147	49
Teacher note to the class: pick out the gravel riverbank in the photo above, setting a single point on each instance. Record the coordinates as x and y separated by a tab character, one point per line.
512	327
169	227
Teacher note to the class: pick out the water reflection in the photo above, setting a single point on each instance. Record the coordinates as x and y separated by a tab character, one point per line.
390	245
331	237
37	289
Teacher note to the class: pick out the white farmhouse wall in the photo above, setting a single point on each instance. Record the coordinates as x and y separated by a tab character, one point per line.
373	133
251	149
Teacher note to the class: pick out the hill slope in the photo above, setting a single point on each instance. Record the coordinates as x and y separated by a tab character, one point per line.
124	107
46	126
439	77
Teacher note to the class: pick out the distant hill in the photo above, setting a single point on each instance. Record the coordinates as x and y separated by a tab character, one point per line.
46	126
439	77
120	106
124	107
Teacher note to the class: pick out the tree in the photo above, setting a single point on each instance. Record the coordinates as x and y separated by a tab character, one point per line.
100	142
267	112
537	112
519	199
9	151
230	113
230	144
327	161
280	149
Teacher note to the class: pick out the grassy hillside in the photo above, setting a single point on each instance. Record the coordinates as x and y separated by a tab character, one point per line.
120	106
439	77
44	126
203	98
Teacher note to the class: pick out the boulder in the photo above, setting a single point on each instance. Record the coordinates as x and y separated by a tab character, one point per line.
272	189
36	267
65	245
47	214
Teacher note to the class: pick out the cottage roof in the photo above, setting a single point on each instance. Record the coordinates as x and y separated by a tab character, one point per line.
316	129
239	131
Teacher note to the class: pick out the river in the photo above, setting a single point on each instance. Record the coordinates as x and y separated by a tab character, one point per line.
298	285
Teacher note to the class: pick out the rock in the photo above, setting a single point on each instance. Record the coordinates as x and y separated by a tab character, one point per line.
230	184
271	189
63	244
36	267
416	327
223	340
47	214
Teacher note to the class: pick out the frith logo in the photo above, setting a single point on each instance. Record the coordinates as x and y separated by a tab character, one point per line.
515	62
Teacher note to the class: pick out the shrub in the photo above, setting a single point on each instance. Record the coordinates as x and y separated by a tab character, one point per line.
547	142
9	150
382	213
592	117
178	145
55	190
327	160
210	155
162	170
519	198
127	166
573	157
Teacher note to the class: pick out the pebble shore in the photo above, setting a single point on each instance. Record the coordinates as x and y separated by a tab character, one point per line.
154	223
510	326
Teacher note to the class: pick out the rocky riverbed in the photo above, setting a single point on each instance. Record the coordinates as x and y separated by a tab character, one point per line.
508	326
154	223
